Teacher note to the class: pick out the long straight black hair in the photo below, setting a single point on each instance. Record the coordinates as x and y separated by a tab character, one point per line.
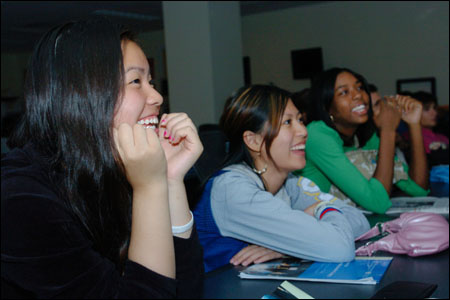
72	88
322	95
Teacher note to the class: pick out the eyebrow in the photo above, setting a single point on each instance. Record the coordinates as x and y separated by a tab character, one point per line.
291	115
345	85
139	69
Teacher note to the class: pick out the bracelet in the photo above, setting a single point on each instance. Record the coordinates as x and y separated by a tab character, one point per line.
183	228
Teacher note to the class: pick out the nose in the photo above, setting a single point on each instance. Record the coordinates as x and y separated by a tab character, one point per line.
153	97
301	130
433	111
357	94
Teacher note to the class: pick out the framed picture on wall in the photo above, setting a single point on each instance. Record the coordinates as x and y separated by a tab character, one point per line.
306	63
426	84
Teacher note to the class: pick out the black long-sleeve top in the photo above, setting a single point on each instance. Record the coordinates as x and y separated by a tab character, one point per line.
46	254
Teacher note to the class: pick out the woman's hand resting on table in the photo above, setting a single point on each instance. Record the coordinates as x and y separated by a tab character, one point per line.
254	254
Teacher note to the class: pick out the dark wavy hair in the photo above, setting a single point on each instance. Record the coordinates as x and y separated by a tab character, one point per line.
250	108
322	95
72	88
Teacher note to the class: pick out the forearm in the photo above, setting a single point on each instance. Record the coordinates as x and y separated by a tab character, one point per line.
179	206
239	221
151	242
418	170
356	218
385	165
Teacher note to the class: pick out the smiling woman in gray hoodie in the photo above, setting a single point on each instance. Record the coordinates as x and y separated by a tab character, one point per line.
255	200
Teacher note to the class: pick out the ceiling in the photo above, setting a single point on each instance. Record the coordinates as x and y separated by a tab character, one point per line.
23	22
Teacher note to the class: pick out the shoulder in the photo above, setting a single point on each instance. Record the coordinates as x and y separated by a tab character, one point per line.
24	170
27	189
322	141
238	182
322	128
31	205
237	174
319	133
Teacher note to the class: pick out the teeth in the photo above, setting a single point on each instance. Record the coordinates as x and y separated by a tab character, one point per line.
152	120
298	147
151	127
359	108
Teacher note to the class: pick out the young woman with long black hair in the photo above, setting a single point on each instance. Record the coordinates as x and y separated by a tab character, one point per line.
93	200
351	149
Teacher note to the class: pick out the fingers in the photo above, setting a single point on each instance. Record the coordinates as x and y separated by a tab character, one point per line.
268	256
125	138
254	254
241	255
141	154
408	104
116	142
128	138
176	127
391	104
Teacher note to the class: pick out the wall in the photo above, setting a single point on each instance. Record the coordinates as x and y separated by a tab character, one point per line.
384	41
152	44
13	67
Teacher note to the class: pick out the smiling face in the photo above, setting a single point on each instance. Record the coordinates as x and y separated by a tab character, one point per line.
288	147
140	102
350	104
429	115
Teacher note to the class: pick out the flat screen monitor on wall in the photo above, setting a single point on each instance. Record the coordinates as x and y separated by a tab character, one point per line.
306	63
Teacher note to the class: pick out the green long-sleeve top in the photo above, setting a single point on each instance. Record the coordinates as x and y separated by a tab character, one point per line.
327	164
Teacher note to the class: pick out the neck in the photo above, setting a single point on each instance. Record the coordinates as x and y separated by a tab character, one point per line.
347	131
273	179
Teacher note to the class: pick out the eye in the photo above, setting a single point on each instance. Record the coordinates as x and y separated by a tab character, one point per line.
300	119
136	81
287	122
152	83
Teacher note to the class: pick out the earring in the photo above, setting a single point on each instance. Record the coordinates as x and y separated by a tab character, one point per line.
259	172
331	117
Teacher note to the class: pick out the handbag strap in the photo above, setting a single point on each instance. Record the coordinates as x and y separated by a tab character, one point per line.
375	233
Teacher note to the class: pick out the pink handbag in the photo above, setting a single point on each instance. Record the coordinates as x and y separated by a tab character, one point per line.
413	233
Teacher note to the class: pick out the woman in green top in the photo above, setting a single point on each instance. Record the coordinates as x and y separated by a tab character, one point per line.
350	151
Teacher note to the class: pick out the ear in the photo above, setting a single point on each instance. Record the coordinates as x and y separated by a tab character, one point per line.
252	140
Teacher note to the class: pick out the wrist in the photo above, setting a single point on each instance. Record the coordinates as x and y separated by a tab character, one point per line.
388	130
388	135
414	126
171	182
150	186
323	208
318	207
185	227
